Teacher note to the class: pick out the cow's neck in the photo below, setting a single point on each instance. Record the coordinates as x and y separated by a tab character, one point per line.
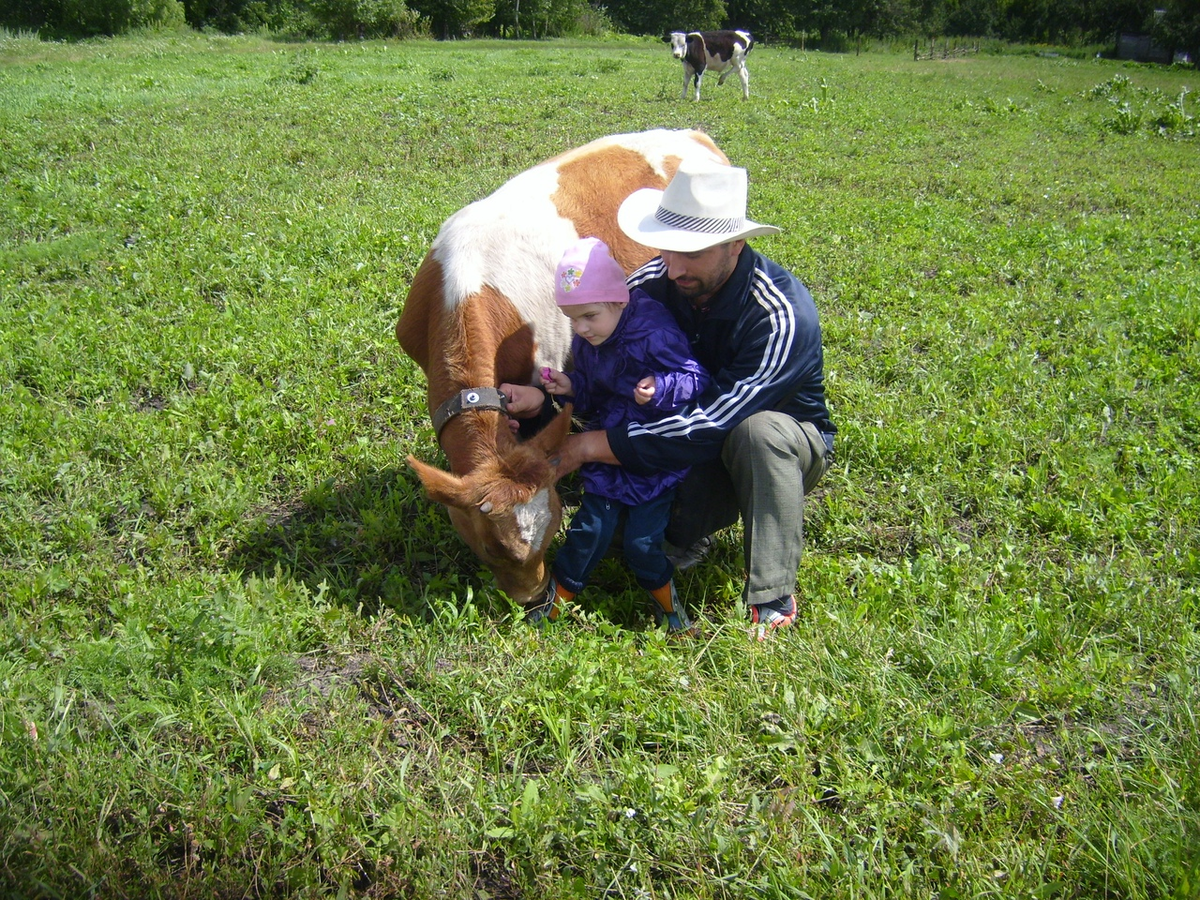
488	344
473	438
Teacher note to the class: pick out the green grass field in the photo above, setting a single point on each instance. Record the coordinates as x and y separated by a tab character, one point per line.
242	656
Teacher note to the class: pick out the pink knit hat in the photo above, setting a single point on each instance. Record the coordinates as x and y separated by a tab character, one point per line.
588	274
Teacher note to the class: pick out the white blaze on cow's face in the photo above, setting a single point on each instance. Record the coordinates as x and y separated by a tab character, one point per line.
678	44
533	519
507	510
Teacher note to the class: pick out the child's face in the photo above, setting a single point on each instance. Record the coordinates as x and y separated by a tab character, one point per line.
594	322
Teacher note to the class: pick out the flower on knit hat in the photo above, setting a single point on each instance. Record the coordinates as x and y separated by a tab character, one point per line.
570	278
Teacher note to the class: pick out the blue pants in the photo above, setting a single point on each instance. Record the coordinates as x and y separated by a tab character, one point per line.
591	532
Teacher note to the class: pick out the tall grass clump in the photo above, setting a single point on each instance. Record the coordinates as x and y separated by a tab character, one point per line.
242	655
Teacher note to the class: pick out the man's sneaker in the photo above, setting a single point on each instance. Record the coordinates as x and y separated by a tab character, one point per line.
686	557
546	609
767	617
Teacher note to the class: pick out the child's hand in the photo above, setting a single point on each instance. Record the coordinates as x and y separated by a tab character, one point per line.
556	383
643	393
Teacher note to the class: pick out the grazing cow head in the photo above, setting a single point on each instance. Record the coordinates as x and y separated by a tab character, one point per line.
507	509
481	312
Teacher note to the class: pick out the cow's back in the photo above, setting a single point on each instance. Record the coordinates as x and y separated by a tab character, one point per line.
502	250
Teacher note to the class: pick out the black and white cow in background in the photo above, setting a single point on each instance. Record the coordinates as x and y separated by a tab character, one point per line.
721	51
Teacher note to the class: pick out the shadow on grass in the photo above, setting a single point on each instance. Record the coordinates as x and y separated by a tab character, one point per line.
378	542
373	542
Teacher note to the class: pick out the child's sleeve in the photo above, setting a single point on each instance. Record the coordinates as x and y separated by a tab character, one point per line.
580	395
679	378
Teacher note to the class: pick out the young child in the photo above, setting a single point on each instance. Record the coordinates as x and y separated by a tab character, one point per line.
632	362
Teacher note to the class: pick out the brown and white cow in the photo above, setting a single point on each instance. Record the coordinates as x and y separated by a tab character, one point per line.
481	312
721	51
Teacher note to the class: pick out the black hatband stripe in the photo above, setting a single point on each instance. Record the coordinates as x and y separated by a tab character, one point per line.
698	224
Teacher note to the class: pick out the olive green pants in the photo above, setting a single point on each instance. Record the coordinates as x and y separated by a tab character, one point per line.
768	463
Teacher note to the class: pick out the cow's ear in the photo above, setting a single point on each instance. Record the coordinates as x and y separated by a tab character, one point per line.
442	487
550	438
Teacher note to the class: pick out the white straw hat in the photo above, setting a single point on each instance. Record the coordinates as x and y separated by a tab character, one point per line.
702	206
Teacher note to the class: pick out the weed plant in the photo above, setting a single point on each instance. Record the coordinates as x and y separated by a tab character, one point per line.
241	655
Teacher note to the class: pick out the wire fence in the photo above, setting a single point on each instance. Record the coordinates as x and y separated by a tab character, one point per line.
945	50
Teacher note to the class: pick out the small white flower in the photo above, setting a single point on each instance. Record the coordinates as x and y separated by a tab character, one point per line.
630	812
1057	801
997	758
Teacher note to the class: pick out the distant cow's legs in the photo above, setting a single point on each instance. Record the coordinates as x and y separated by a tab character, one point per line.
690	75
743	74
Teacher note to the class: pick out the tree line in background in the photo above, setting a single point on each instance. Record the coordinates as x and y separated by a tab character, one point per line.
828	24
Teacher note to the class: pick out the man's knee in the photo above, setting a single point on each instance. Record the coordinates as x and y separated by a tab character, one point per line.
769	435
771	447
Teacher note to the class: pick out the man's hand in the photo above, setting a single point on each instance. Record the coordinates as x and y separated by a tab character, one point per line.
524	400
588	446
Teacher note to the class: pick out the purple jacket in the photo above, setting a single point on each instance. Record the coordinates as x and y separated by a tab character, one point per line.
647	341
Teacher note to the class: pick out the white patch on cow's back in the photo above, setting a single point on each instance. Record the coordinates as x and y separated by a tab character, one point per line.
533	518
512	239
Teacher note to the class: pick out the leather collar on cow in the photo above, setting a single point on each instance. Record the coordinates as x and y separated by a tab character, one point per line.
471	398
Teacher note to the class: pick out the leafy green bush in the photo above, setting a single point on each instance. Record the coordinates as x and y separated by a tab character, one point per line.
118	16
592	21
281	17
344	19
456	18
639	17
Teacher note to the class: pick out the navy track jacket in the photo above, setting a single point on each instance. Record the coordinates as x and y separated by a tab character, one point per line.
759	339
